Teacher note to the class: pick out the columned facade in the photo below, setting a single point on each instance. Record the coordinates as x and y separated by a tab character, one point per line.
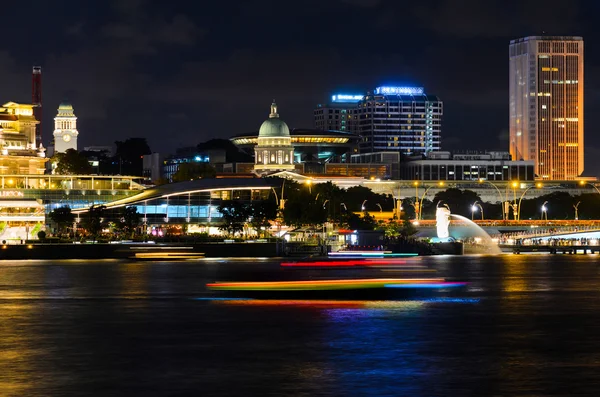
274	150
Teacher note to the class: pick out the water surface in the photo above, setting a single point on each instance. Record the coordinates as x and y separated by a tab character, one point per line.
527	325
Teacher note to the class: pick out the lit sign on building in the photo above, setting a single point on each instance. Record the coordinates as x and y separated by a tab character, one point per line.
346	98
400	90
11	193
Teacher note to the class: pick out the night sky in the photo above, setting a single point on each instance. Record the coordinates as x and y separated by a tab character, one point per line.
181	72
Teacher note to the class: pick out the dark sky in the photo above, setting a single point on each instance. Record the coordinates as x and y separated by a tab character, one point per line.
181	72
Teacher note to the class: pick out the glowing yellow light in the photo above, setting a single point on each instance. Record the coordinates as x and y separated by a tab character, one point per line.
582	183
441	183
480	180
416	183
10	181
538	185
515	184
30	246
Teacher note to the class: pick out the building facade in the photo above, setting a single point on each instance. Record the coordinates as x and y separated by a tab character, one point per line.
401	119
546	104
65	129
19	155
336	114
490	166
274	150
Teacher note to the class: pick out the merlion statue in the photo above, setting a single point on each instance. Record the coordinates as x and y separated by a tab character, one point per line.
442	218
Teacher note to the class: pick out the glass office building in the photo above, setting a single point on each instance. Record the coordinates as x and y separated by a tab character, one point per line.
546	104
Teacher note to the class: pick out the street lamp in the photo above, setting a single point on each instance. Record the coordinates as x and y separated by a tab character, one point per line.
309	183
362	207
538	186
544	211
474	208
576	206
379	205
481	180
344	205
420	214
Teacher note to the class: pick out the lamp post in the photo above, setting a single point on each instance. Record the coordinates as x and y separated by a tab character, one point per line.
362	207
344	205
537	185
576	206
474	208
481	180
379	205
583	183
514	204
439	184
544	211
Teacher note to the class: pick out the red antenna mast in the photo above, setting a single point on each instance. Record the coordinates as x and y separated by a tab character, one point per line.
36	100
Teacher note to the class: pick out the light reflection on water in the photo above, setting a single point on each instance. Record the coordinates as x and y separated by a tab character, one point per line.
527	325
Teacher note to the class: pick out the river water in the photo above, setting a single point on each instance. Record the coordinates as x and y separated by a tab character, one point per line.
527	325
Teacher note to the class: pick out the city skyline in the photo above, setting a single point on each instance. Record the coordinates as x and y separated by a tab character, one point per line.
129	60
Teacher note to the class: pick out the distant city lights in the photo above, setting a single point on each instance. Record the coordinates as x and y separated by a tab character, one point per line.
400	90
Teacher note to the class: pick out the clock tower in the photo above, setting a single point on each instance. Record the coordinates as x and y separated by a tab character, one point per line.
65	129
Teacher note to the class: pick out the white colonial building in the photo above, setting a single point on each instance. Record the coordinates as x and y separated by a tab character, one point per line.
274	150
65	129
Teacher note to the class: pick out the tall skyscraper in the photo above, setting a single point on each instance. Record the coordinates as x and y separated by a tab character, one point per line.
399	119
546	104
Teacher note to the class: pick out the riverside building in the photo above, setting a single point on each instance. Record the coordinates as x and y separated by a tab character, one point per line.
546	104
400	119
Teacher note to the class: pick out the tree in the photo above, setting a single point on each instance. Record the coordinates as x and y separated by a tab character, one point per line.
459	201
62	217
262	213
235	214
356	222
129	219
191	171
129	154
71	162
302	208
94	220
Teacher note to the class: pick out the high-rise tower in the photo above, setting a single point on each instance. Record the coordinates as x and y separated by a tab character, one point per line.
36	100
546	104
398	119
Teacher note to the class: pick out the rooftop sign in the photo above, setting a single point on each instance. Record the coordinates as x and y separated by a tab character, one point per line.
346	98
399	90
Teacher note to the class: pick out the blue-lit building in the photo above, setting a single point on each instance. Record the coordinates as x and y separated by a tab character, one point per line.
335	115
399	119
192	203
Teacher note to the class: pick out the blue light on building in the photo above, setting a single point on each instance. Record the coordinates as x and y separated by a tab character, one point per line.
345	98
387	90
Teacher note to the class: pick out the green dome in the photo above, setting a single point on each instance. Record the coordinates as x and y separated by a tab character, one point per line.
65	105
274	127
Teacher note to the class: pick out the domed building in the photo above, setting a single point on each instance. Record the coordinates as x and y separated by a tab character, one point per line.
273	151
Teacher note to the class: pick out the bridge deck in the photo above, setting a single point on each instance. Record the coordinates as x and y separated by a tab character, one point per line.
552	249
